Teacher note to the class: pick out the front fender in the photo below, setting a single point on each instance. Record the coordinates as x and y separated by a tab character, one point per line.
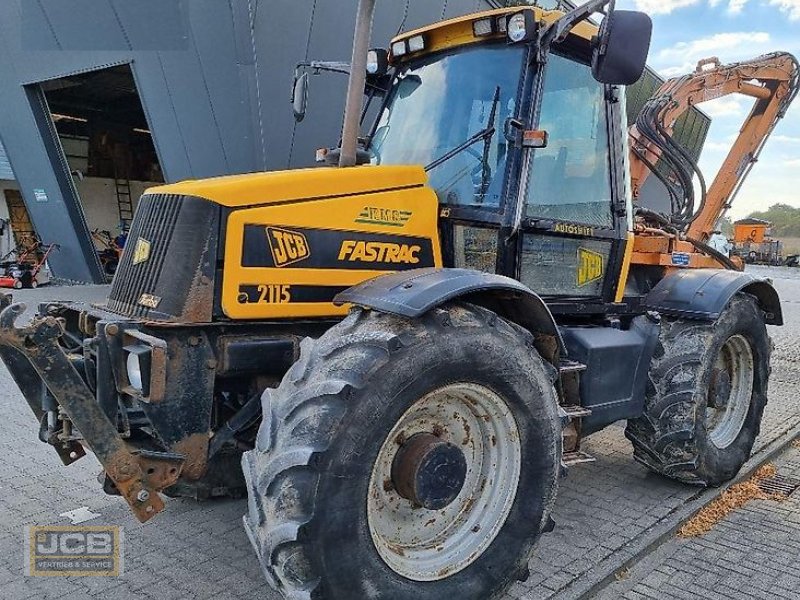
413	293
703	294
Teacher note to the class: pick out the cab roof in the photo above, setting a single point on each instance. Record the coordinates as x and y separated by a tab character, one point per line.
458	31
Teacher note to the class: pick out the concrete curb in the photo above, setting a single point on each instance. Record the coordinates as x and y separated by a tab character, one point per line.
593	581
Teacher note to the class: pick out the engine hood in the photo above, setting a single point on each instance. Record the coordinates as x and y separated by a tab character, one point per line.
274	187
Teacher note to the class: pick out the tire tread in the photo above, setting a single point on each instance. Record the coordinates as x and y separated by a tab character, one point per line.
300	418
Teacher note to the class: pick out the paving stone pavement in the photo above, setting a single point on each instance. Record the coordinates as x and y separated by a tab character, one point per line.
752	554
199	550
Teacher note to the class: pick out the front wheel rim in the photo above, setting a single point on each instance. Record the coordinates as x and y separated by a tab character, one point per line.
727	410
430	545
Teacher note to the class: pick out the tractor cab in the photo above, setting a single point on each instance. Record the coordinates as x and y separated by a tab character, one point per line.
524	143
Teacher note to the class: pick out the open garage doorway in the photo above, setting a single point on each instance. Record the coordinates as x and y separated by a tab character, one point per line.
108	147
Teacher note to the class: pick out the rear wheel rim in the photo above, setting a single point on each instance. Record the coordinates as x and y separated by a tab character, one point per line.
430	545
731	392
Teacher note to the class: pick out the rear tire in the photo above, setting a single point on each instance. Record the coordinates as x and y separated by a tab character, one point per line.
706	396
315	476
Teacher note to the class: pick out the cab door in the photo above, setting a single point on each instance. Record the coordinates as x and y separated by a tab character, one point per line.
574	224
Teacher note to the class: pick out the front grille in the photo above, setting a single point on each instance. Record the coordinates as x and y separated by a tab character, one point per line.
182	235
156	217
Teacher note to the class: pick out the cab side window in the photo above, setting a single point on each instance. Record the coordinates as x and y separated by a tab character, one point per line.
570	178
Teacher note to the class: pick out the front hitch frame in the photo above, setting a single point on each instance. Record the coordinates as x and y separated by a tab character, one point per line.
137	475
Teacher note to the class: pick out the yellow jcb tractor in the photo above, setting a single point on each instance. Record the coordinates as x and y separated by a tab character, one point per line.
404	355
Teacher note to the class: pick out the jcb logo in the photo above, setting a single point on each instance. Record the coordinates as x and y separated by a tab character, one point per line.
379	252
287	247
590	266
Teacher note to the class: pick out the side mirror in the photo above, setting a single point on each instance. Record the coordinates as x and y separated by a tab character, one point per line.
621	47
408	85
300	97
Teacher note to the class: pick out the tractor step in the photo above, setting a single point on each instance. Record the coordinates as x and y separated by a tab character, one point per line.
575	411
570	366
575	458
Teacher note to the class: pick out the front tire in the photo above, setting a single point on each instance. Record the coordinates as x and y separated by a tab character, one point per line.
379	468
706	396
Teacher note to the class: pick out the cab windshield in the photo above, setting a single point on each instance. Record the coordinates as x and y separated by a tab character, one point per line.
439	105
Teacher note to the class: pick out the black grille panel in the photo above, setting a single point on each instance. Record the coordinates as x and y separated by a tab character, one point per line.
182	232
156	217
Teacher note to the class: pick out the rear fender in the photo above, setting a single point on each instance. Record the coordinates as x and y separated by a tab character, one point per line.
413	293
703	294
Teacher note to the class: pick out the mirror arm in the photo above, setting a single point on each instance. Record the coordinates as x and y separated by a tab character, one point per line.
558	30
325	65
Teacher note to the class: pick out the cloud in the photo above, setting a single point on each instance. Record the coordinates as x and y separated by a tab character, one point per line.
792	162
790	7
785	139
703	47
716	147
665	7
682	57
728	106
735	6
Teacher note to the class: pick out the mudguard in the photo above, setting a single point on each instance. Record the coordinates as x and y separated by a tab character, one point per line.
413	293
703	294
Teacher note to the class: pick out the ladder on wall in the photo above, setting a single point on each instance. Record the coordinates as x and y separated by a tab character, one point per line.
122	187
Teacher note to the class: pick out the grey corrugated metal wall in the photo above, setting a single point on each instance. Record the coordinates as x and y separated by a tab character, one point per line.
5	166
214	79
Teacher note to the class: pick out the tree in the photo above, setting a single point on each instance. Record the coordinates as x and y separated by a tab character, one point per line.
725	225
785	219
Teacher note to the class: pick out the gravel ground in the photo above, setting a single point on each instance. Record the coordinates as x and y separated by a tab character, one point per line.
199	550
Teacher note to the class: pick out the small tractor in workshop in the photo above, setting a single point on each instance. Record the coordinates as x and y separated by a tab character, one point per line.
405	359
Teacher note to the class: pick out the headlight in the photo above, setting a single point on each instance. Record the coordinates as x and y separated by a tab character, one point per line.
502	24
517	28
134	368
416	43
399	48
482	27
138	366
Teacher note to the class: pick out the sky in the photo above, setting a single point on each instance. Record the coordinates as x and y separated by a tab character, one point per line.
685	31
